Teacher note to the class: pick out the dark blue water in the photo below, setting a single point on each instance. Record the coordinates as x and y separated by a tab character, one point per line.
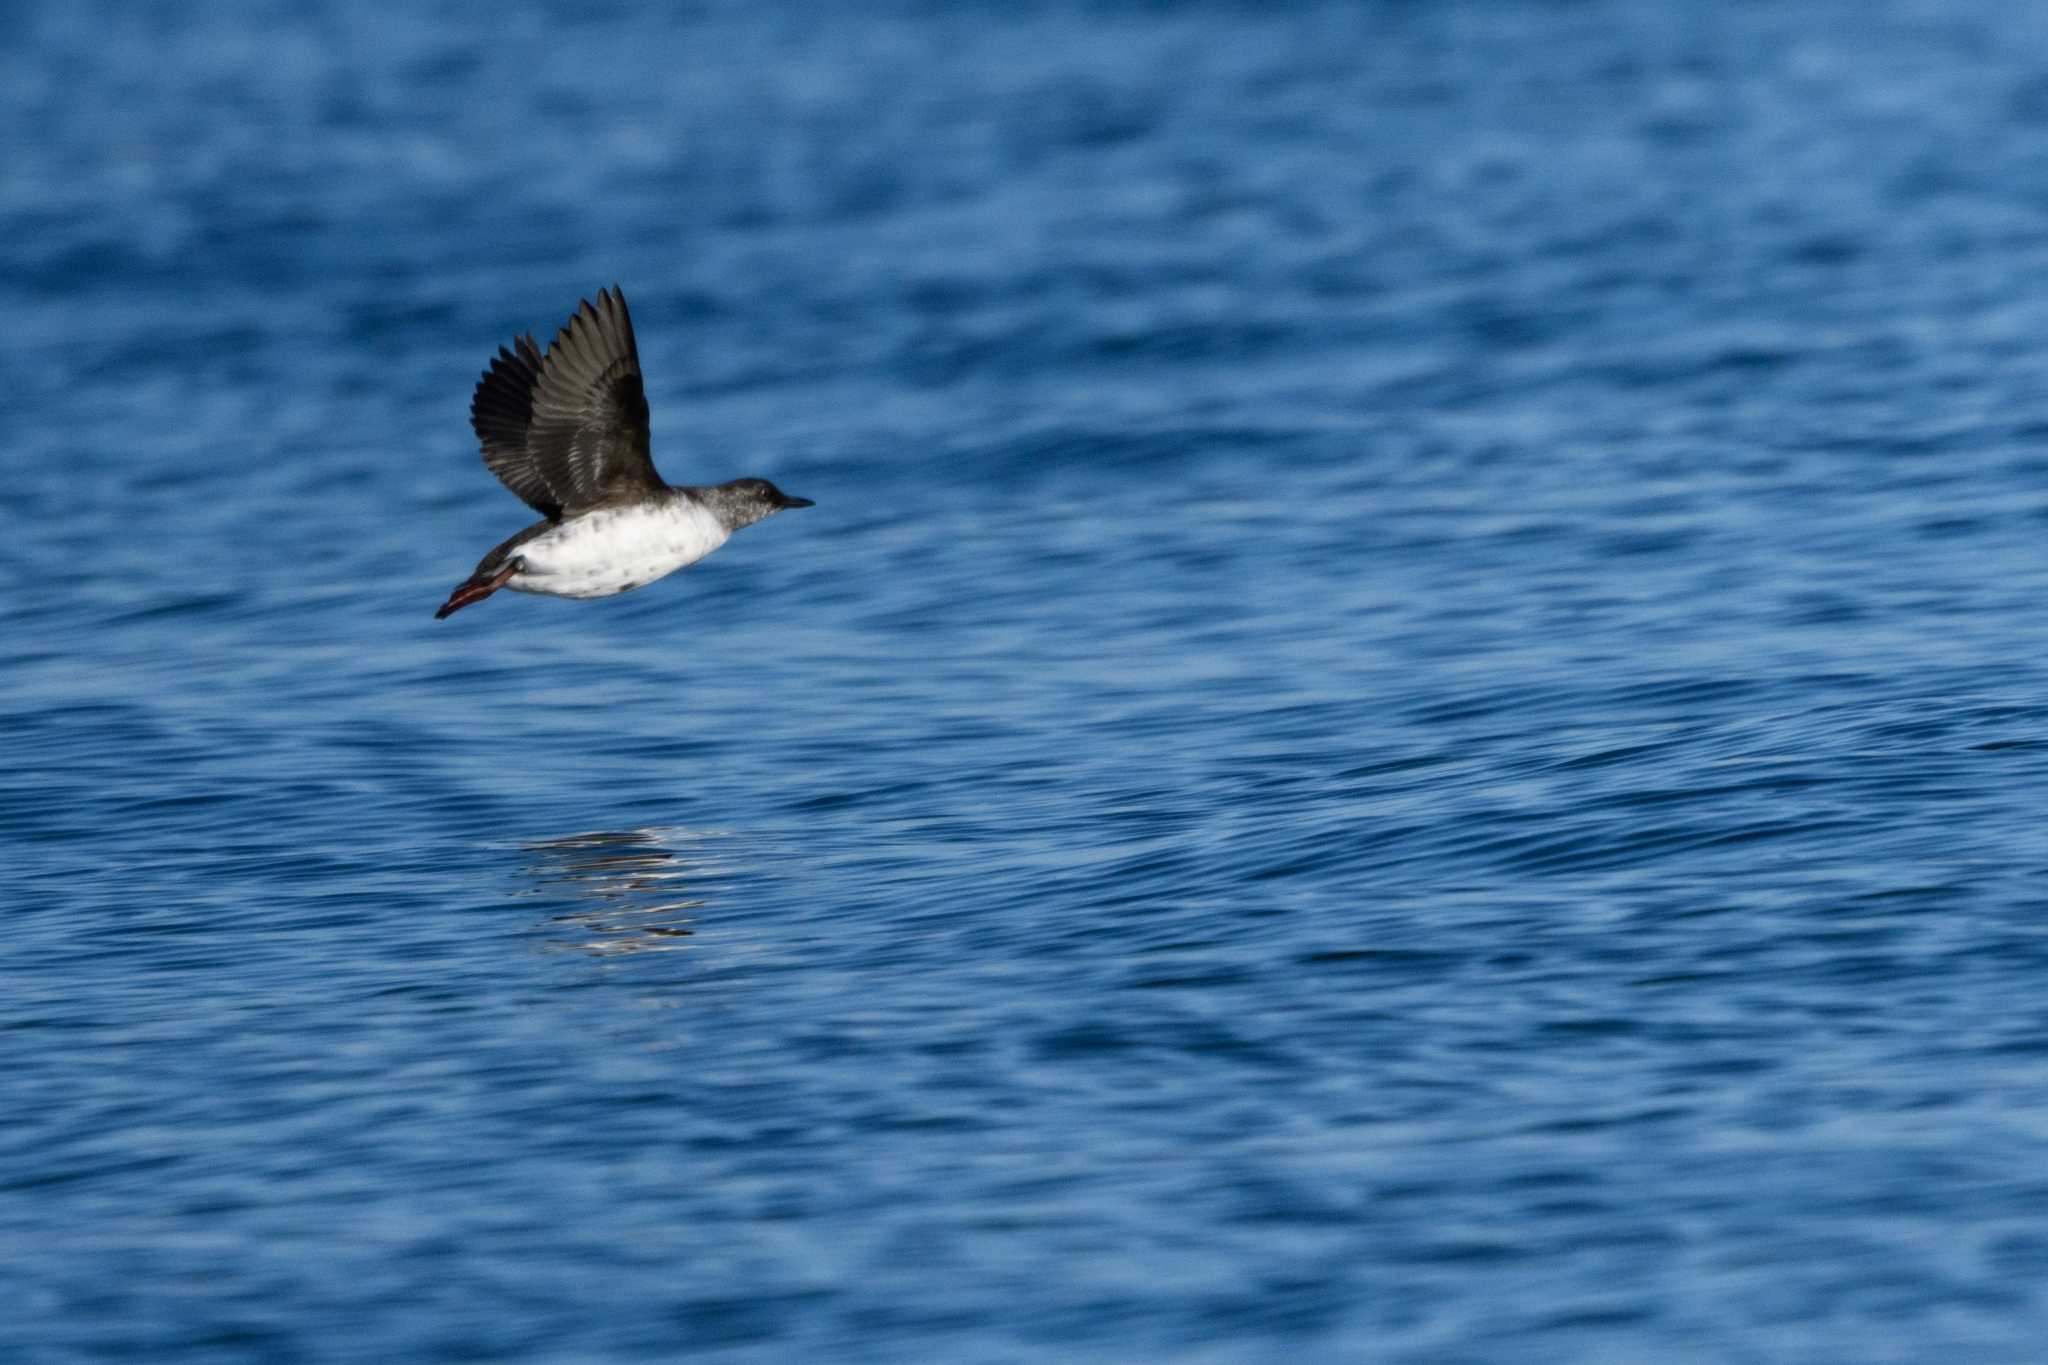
1411	726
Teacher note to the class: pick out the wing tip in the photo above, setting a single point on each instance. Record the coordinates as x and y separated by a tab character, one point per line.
596	332
509	379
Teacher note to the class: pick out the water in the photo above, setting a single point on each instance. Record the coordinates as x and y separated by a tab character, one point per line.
1411	724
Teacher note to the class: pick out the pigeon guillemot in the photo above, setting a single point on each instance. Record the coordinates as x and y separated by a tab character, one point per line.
567	432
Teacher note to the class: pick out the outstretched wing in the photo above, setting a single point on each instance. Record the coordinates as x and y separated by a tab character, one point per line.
568	431
589	432
502	411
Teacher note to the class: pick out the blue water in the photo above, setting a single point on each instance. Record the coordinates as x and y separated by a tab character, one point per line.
1412	724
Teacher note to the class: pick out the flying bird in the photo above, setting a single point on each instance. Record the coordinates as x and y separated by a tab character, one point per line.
567	432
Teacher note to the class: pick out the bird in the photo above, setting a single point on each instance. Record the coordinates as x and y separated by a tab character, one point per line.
566	430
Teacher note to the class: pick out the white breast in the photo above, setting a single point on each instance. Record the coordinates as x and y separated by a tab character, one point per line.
609	551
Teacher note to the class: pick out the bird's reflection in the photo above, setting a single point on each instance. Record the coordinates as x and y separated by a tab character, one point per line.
628	891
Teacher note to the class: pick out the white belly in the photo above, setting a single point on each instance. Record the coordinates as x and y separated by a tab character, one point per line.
602	553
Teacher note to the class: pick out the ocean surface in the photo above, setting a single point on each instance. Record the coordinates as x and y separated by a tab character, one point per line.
1411	726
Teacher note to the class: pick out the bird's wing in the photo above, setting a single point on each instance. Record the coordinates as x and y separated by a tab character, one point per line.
589	432
502	412
568	431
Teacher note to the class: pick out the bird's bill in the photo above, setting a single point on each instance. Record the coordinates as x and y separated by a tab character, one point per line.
788	501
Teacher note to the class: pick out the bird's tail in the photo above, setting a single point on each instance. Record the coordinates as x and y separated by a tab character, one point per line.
475	590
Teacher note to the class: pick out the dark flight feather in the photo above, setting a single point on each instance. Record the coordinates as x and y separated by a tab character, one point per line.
568	431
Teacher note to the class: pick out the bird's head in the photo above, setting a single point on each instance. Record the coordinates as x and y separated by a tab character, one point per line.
746	501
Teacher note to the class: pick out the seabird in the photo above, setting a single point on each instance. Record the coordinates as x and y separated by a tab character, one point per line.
567	432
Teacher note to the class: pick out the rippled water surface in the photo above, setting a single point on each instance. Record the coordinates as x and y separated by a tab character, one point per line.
1411	724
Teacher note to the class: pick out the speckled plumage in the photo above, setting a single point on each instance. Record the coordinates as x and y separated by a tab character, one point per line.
567	431
616	549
